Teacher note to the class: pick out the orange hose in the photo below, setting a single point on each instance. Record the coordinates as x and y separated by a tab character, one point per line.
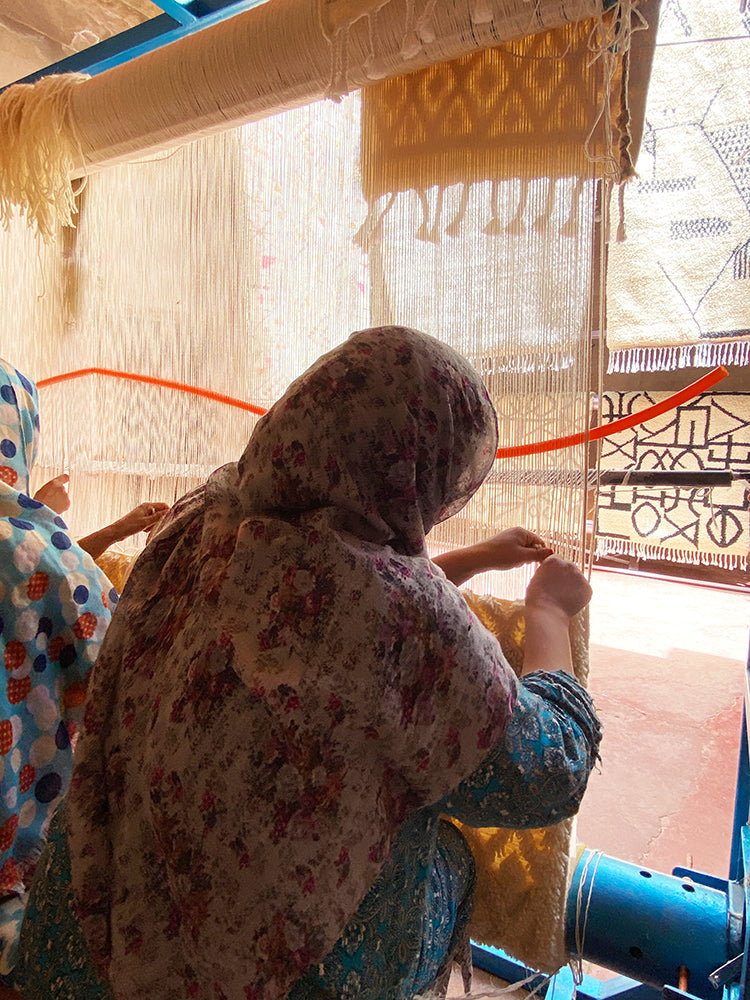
604	430
152	380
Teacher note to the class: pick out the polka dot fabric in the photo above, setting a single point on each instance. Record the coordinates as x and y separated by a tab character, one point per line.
19	427
54	609
55	606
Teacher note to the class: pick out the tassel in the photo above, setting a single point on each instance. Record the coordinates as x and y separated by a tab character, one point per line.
454	226
621	237
515	226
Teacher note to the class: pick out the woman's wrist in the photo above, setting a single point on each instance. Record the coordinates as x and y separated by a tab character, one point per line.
547	643
547	612
459	565
99	541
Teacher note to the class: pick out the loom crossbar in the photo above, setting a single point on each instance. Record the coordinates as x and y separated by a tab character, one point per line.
252	59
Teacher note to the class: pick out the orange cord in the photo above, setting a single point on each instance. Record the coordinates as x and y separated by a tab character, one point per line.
606	430
536	448
152	380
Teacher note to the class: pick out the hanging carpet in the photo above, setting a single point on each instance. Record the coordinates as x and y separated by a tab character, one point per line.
704	525
678	286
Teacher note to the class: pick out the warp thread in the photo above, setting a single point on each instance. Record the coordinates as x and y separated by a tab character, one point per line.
581	923
39	147
610	42
576	963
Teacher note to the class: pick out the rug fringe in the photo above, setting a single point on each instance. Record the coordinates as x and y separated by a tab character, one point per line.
638	550
665	359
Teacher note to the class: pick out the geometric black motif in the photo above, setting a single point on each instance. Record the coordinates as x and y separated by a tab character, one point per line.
731	143
696	524
741	262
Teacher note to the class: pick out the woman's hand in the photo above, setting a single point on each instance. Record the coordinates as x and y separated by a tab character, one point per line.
557	591
509	548
559	584
513	547
55	493
141	518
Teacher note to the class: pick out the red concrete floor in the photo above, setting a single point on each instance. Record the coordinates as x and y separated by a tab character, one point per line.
667	674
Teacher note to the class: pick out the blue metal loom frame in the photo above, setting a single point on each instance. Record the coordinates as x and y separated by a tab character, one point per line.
178	21
185	17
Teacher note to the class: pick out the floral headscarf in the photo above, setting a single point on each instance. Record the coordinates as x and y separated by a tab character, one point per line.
389	439
54	609
288	676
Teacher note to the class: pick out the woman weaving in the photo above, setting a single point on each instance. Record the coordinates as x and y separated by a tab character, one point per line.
54	608
289	698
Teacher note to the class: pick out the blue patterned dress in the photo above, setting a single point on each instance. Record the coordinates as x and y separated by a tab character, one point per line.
54	610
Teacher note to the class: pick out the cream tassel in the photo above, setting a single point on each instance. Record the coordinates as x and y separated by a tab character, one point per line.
37	153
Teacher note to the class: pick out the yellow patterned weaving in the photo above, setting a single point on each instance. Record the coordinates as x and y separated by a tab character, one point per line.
523	876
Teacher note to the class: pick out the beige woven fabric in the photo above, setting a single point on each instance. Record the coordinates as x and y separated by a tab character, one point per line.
678	287
698	526
523	876
232	263
480	228
516	110
257	63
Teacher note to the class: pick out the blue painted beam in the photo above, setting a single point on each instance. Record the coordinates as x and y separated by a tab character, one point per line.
745	848
645	924
146	37
560	986
142	35
176	10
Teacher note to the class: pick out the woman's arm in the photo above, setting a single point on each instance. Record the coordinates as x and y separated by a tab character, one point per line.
54	494
556	592
509	548
142	518
537	773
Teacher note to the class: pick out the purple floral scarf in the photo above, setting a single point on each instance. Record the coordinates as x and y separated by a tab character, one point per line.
286	678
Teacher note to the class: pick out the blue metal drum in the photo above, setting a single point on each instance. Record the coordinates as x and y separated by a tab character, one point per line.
647	925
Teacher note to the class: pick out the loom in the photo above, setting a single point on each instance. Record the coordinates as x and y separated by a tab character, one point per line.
677	936
682	934
191	81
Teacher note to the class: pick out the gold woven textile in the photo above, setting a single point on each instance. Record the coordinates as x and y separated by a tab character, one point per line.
518	110
523	876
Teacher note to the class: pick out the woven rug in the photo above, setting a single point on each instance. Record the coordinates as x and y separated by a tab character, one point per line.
524	876
678	286
702	525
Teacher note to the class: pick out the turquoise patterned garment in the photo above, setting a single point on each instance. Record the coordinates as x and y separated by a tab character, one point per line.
412	923
54	610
